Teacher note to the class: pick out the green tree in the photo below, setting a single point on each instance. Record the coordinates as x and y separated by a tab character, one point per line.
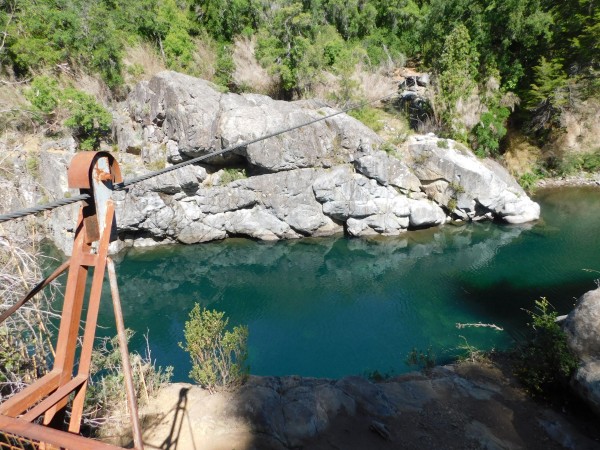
456	72
549	84
88	120
218	355
545	363
285	48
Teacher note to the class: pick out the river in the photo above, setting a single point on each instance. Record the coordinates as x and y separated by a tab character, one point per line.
331	307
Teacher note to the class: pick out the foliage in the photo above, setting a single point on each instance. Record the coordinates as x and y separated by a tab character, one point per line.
580	162
25	337
106	399
225	66
470	353
541	50
425	361
231	174
88	120
369	116
529	180
456	70
486	135
545	363
218	355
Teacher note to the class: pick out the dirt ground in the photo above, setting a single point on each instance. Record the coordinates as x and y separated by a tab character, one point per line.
462	406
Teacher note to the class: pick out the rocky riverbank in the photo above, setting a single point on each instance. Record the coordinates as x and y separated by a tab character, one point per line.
335	176
581	179
469	405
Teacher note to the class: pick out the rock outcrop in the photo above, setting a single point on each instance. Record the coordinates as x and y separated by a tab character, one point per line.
583	335
471	188
468	406
317	180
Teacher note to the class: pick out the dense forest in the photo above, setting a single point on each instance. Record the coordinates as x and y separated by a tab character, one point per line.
516	63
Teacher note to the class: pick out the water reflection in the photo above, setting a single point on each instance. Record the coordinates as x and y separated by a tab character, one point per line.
321	307
335	306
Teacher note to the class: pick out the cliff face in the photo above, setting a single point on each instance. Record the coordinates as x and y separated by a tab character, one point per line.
330	177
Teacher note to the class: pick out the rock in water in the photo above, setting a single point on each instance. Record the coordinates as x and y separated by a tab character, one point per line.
582	327
453	176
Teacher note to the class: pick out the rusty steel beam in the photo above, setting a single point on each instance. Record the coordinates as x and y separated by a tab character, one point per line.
56	438
127	372
19	403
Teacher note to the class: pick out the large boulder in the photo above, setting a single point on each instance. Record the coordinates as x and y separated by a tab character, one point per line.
582	327
184	108
454	177
186	117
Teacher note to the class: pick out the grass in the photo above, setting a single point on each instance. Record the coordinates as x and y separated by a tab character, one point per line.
230	174
371	117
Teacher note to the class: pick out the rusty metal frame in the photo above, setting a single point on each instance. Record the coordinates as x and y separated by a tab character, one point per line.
94	173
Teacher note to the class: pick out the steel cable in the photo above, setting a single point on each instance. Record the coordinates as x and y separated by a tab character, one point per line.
127	183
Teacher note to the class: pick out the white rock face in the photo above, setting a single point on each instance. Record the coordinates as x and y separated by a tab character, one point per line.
325	178
449	171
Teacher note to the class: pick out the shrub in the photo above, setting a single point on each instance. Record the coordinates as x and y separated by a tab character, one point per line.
231	174
544	363
106	398
44	94
425	361
486	135
529	179
88	120
218	355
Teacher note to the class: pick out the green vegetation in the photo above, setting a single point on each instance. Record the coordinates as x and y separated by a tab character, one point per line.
218	355
87	119
106	398
485	58
545	364
230	174
370	116
424	361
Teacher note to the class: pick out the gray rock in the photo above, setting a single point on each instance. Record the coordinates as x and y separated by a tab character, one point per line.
185	108
256	223
582	327
223	199
366	205
293	200
184	179
196	232
127	134
193	118
449	170
369	397
388	170
425	213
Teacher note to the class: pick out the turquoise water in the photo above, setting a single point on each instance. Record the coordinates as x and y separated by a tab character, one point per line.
331	307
